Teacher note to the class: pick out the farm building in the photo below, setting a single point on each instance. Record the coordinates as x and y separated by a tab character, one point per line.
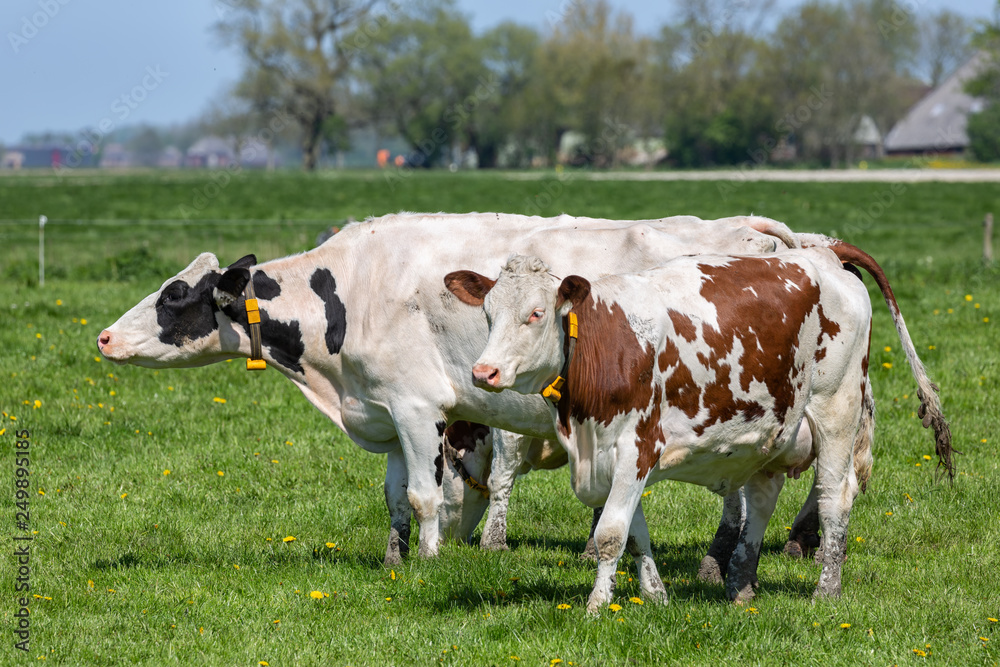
936	124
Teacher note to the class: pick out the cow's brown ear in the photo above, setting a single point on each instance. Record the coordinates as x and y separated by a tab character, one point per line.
231	284
572	291
470	287
244	262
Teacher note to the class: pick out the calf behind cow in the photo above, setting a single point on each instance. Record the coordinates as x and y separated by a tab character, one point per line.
725	372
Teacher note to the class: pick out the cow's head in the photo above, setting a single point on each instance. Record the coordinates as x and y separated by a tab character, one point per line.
184	323
524	308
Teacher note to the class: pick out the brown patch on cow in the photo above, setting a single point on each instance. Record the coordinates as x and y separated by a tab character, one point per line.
864	364
465	436
680	388
611	372
828	328
648	434
769	344
683	326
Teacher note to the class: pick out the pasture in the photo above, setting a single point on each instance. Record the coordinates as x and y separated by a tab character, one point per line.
214	516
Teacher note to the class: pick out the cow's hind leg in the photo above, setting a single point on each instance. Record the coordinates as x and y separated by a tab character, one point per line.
804	536
399	508
716	562
590	550
761	496
838	420
639	547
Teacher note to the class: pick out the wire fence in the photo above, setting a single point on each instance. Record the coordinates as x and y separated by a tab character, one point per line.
126	250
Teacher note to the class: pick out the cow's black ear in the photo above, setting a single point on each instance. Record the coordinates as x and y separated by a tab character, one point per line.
572	291
244	262
230	286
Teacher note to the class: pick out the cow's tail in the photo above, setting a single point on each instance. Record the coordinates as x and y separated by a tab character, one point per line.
930	403
779	230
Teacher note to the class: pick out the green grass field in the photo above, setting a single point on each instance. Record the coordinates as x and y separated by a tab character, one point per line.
130	563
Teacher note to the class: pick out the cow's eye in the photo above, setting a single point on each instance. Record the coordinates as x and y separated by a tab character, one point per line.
174	293
536	315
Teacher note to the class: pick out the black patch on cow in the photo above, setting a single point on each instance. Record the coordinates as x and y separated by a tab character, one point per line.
187	313
323	283
265	287
439	465
439	459
282	339
853	269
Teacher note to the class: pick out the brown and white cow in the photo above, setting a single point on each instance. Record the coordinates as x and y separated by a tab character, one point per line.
364	328
725	372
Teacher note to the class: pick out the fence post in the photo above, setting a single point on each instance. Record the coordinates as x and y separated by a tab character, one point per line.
41	250
988	238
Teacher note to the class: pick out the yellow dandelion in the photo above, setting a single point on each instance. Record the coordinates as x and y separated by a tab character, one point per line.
555	661
968	297
58	302
751	610
41	492
976	306
123	496
220	474
888	349
330	545
90	583
844	626
951	310
927	457
992	620
615	607
236	566
886	364
922	654
38	335
635	600
166	472
647	493
218	400
388	599
288	539
37	404
83	321
276	621
986	320
888	513
563	606
264	663
316	595
984	639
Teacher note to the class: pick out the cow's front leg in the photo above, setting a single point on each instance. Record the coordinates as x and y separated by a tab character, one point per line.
716	562
399	508
639	547
509	453
421	435
761	496
610	537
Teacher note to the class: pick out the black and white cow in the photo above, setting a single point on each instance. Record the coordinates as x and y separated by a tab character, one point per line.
364	328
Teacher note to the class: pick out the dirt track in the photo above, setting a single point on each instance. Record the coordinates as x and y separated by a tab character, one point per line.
817	175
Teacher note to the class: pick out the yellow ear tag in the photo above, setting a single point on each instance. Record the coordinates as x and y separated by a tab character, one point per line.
256	365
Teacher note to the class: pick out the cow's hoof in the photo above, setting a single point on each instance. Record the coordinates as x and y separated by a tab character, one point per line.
743	595
709	572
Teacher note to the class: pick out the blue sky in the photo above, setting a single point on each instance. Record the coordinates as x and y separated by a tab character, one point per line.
70	64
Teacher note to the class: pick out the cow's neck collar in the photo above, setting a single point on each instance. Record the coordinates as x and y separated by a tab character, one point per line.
553	391
256	361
